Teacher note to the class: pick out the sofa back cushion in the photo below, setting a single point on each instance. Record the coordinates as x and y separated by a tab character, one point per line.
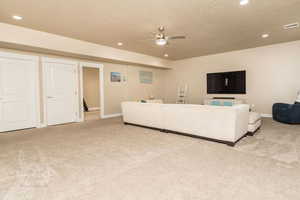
217	122
146	114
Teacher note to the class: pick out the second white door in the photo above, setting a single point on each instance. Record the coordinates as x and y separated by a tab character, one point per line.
61	95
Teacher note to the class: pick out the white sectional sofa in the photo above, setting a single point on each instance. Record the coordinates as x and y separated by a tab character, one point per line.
218	123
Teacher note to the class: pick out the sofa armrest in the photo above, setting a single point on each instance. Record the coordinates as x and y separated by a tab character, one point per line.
242	119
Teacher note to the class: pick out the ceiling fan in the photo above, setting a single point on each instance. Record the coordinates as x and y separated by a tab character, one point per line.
162	39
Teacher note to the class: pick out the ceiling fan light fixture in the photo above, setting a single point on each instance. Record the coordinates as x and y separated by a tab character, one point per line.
161	42
244	2
266	35
17	17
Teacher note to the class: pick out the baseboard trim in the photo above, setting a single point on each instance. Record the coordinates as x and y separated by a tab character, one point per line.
112	116
94	109
41	125
266	115
80	120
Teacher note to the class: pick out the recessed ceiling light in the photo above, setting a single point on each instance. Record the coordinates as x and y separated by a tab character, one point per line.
265	35
244	2
17	17
120	44
166	55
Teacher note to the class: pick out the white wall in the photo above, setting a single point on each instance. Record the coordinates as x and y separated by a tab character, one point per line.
131	89
273	74
26	37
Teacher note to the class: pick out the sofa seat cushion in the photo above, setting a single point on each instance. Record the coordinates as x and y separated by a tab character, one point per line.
254	117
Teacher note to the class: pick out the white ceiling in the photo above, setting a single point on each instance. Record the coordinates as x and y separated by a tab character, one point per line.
211	26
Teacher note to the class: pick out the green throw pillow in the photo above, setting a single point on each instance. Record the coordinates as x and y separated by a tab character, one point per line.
227	103
215	103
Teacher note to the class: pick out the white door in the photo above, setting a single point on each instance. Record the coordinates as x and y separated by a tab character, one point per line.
61	92
17	93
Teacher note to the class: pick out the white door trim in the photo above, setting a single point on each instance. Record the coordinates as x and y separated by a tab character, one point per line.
101	77
44	95
37	79
38	95
44	84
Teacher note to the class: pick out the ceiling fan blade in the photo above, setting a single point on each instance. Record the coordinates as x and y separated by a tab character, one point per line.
177	37
146	39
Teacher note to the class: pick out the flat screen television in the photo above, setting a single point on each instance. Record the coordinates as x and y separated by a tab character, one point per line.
226	83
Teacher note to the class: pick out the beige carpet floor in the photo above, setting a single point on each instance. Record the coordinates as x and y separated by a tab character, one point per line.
106	160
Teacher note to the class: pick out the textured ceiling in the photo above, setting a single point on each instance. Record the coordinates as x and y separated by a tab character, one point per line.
211	26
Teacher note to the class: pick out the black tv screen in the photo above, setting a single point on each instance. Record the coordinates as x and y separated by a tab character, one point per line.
226	83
